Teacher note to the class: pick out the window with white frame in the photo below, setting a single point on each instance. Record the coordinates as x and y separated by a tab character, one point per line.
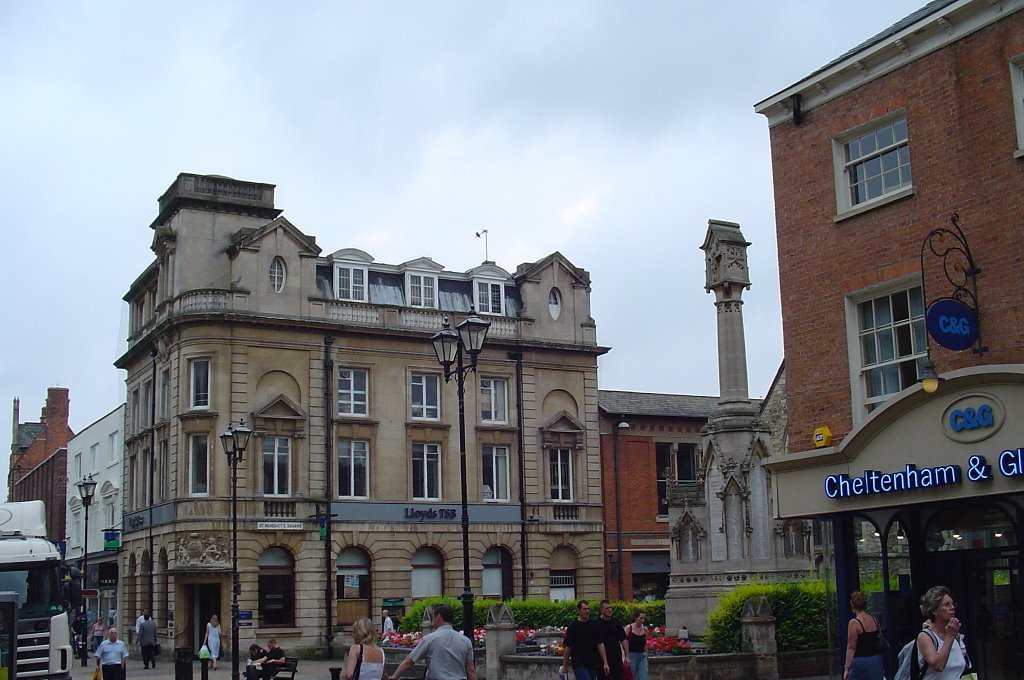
424	396
199	465
495	473
277	274
873	162
426	472
110	511
76	527
277	465
1017	88
422	290
890	350
199	383
353	391
78	466
493	400
94	457
353	468
560	474
490	297
350	283
114	452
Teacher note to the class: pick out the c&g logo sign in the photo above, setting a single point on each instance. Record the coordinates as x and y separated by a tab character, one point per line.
973	418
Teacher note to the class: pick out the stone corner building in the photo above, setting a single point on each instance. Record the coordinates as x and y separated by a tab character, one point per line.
327	357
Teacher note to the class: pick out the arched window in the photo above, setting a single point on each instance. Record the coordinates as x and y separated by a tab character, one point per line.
278	273
426	572
978	527
276	588
868	542
563	575
353	585
498	573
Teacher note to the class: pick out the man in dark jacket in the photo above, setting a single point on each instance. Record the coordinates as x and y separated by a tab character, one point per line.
612	634
583	647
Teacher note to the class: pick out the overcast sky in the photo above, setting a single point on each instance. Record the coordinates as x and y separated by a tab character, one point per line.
608	131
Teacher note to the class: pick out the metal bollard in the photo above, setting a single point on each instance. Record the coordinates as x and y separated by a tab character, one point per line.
204	669
183	663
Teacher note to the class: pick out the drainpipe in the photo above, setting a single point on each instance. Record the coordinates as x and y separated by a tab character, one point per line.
328	465
524	571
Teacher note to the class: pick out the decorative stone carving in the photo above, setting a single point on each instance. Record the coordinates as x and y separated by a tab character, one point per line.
201	550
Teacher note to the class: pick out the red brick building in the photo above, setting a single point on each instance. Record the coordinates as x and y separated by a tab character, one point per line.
39	466
873	154
647	441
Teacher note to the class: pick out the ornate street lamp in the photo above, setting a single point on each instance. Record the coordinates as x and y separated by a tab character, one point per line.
450	347
86	489
235	440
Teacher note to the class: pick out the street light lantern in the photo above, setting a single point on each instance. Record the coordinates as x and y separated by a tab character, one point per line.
241	435
929	378
473	331
235	440
446	346
451	348
86	489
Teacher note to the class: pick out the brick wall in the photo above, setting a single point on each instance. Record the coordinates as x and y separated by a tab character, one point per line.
960	119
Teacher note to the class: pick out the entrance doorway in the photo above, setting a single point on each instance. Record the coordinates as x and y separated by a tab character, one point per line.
972	553
203	602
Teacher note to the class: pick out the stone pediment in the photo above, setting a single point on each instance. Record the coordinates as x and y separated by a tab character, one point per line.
563	422
253	239
531	271
281	407
421	264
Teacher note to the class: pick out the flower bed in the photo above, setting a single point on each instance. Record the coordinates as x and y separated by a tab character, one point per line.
658	644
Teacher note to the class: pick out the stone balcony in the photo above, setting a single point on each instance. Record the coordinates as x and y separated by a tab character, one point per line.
218	301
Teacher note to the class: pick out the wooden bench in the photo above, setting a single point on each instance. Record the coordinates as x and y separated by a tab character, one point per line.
288	668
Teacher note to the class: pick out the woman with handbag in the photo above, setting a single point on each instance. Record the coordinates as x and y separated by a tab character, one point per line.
365	659
863	635
212	640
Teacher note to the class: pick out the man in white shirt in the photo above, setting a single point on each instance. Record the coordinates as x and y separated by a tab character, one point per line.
138	622
388	625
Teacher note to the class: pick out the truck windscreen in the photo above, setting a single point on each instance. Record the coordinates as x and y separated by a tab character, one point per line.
38	589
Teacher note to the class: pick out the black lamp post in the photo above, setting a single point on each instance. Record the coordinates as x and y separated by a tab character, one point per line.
450	347
86	489
235	440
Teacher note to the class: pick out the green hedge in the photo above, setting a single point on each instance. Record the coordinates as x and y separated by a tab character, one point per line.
799	610
531	613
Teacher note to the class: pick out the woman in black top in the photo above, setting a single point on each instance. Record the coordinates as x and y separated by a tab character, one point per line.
636	639
863	657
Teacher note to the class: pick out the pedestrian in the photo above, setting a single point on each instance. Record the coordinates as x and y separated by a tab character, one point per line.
112	616
147	640
212	640
584	650
449	653
863	655
112	656
941	647
99	631
365	659
387	625
636	642
138	623
612	634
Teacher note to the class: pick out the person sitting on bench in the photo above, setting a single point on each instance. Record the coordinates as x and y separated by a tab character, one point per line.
268	665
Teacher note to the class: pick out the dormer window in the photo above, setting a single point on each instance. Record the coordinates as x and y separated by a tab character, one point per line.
350	282
490	297
422	290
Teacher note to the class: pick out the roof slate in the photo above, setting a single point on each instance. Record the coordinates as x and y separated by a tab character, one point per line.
27	433
651	404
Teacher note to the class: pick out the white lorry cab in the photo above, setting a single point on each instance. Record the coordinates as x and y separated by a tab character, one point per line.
33	569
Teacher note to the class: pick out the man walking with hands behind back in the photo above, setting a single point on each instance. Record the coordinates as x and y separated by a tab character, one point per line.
449	653
612	633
